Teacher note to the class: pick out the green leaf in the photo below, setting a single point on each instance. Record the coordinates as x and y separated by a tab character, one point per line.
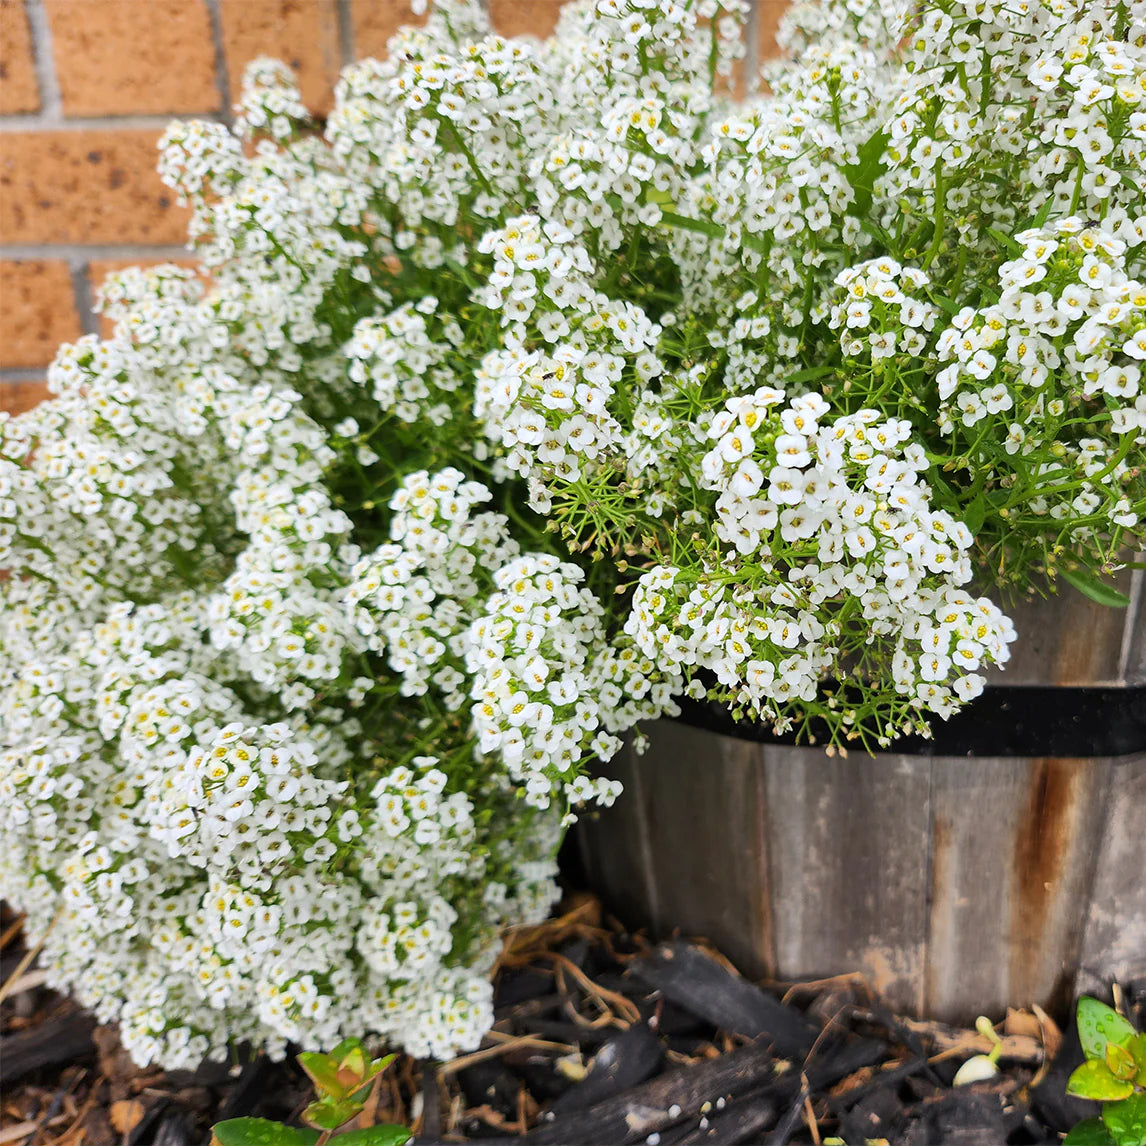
975	513
323	1072
1011	245
1090	586
812	372
1120	1062
1092	1132
352	1067
260	1132
1126	1121
947	304
1137	1047
1037	222
685	223
1093	1080
330	1113
1098	1025
374	1136
862	175
652	195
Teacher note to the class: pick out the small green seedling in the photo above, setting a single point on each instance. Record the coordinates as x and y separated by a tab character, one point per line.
981	1067
342	1081
1114	1074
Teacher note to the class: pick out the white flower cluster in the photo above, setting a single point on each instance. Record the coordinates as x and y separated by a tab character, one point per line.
542	385
546	690
882	311
231	886
553	411
827	526
1068	329
270	101
414	598
277	609
420	842
403	365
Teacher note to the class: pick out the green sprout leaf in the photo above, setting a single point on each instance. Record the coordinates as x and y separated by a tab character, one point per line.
1093	1080
1090	586
344	1072
1137	1047
261	1132
1092	1132
1120	1062
323	1072
1126	1121
375	1136
330	1113
810	374
1099	1025
352	1066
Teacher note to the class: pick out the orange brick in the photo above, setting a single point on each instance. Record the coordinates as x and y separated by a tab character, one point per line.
37	311
99	269
85	187
767	21
122	56
375	21
16	397
524	17
302	33
18	88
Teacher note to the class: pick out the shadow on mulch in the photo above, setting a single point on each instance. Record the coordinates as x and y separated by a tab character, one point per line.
600	1038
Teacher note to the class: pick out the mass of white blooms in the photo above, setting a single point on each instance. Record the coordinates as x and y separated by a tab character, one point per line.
542	385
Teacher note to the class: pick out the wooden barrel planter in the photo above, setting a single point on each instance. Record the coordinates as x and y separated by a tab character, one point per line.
957	884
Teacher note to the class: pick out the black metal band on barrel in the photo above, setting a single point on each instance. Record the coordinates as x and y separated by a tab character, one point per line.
1006	720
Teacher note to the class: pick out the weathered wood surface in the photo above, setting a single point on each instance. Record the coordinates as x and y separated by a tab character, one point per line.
1068	639
957	886
844	847
1014	848
1115	932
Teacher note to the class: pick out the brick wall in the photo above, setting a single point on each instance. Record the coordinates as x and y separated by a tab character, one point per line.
86	88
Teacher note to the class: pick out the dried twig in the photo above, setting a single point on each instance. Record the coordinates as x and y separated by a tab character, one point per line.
602	995
29	955
1052	1043
12	930
541	1044
953	1041
18	1132
810	1119
26	982
792	989
454	1065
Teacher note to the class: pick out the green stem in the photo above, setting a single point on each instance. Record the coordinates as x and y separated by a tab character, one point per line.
940	217
470	159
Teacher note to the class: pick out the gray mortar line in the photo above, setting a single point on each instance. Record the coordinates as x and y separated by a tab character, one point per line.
222	71
51	104
84	296
20	375
84	253
346	32
752	56
14	124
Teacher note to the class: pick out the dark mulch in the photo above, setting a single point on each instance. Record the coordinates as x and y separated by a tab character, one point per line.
600	1038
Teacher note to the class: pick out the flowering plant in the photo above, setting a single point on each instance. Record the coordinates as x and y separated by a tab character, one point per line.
545	385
